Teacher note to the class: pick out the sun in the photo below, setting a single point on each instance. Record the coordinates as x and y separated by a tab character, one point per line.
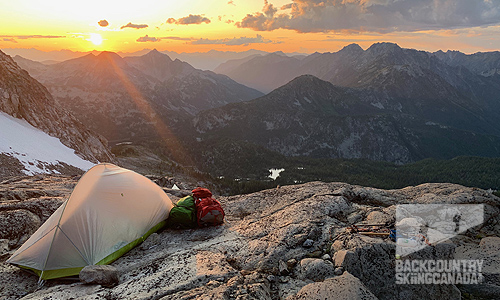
95	38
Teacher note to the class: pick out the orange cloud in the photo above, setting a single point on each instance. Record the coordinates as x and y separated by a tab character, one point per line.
147	38
103	23
135	26
234	41
34	36
374	15
191	19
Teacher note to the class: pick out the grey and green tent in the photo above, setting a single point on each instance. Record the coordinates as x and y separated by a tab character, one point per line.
110	211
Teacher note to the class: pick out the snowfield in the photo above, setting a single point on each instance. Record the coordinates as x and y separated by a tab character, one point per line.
35	149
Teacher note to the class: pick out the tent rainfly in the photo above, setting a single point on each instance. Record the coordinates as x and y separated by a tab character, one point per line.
110	211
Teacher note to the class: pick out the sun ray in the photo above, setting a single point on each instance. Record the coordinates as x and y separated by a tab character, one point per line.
168	138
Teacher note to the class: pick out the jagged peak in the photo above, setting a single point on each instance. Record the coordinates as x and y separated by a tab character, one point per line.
276	54
352	48
86	55
155	53
280	53
383	47
108	56
306	80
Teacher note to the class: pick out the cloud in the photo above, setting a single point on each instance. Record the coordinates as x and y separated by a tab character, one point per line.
103	23
222	19
176	38
35	36
374	15
135	26
191	19
9	40
147	38
233	42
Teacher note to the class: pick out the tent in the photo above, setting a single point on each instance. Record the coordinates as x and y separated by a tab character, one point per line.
110	211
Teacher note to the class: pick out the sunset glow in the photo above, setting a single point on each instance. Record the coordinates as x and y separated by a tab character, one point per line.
302	26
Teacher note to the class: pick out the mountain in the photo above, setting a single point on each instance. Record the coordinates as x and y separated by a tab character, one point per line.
312	117
211	59
263	72
395	78
31	119
135	97
159	66
481	63
228	66
387	70
43	56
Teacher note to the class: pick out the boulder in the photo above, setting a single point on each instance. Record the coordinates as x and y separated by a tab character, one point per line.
345	287
104	275
488	251
151	242
18	225
490	245
378	217
316	269
372	260
4	247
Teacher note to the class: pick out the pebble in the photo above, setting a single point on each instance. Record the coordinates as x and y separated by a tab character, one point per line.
283	268
284	279
291	263
308	243
339	271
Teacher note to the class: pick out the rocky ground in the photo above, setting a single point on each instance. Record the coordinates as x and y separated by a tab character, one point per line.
286	243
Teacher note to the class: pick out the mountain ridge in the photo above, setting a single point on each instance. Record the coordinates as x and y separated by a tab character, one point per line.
22	97
126	98
340	122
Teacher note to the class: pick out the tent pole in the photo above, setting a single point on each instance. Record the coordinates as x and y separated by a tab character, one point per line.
41	282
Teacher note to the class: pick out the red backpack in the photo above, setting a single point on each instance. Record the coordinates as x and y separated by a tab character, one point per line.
209	212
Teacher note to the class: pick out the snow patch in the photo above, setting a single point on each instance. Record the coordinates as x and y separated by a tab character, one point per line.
275	173
35	148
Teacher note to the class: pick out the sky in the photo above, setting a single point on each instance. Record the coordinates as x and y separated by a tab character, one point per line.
304	26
